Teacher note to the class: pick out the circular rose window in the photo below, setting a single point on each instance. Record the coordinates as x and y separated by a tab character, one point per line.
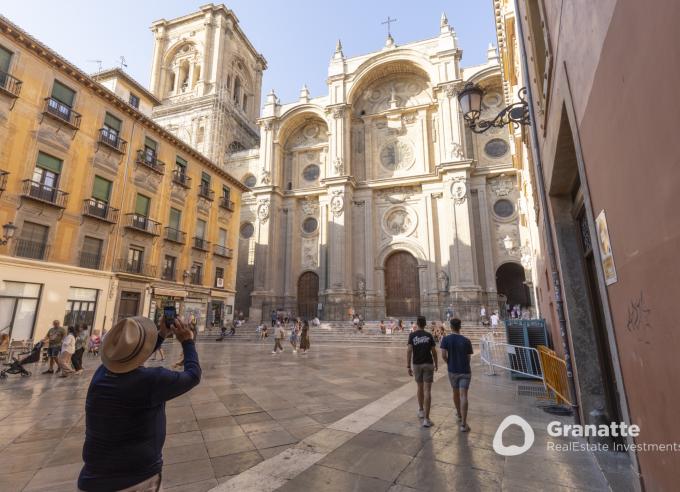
503	208
397	155
310	225
247	230
496	147
311	172
250	181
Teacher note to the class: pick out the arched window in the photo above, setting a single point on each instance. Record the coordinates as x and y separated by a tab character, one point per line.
197	75
184	75
171	81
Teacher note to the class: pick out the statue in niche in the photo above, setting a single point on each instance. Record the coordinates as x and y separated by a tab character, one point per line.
443	281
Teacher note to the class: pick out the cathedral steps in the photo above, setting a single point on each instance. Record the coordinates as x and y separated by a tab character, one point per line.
342	332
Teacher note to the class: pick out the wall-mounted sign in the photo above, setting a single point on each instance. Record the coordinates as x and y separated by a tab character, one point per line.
605	249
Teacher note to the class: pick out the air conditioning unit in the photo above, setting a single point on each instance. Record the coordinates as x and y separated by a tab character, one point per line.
220	282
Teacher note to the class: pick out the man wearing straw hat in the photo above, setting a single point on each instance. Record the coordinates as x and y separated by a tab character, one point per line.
125	406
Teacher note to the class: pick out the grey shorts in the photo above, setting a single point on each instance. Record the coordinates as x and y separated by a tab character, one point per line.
53	351
424	373
460	380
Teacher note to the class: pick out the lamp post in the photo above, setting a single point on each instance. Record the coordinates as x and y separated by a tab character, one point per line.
8	231
470	99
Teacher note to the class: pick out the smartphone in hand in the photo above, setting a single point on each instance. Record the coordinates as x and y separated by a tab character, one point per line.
170	314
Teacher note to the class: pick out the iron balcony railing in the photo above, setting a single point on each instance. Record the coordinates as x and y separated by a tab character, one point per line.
9	84
196	278
100	210
142	223
125	265
148	159
26	248
3	180
223	251
168	274
180	178
226	203
202	244
175	235
90	260
62	112
204	191
43	193
111	139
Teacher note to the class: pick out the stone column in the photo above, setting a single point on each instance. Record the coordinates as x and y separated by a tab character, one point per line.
157	69
452	138
288	283
456	194
487	244
339	141
208	50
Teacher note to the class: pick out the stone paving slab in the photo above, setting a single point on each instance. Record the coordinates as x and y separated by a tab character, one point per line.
339	418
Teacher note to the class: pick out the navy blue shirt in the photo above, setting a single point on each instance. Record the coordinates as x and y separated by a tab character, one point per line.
459	350
125	422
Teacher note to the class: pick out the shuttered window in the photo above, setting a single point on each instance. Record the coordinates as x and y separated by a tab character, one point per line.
142	205
46	161
180	165
101	189
92	246
222	239
63	94
175	218
151	144
5	59
200	229
112	123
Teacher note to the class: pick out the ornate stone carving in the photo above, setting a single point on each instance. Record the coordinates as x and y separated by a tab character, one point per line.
457	151
397	155
309	207
398	194
458	190
451	90
398	221
263	210
309	253
265	176
337	204
203	205
338	166
147	179
501	186
442	281
337	112
361	286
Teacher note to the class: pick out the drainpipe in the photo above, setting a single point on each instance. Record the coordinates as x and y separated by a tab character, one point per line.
550	244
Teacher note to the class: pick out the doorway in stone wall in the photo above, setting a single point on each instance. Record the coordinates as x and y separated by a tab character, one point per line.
402	285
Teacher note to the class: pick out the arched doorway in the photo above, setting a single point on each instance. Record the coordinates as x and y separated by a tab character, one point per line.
402	286
510	280
308	295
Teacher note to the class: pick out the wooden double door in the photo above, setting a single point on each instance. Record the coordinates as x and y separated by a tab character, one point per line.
308	295
402	285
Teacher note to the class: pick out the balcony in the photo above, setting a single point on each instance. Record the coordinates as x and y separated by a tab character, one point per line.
143	224
226	204
204	191
168	274
201	244
25	248
223	251
123	265
43	193
149	160
9	85
61	112
90	260
175	235
180	178
100	210
111	139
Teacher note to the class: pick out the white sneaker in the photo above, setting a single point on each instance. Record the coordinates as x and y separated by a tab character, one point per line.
421	414
274	352
427	423
295	351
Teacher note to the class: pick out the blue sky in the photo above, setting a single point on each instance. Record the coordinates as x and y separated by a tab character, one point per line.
297	37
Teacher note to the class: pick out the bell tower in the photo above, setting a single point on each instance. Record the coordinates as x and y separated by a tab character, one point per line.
208	77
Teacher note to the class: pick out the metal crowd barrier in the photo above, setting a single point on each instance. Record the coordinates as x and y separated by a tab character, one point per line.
555	374
524	361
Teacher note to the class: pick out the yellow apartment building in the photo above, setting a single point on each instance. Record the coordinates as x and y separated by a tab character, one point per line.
105	213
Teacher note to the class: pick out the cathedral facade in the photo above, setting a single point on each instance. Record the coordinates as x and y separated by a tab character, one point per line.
377	198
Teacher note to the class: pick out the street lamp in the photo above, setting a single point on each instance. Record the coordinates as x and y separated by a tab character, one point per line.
8	233
470	99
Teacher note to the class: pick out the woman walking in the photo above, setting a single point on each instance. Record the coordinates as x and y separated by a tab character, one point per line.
304	337
81	340
295	335
68	348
